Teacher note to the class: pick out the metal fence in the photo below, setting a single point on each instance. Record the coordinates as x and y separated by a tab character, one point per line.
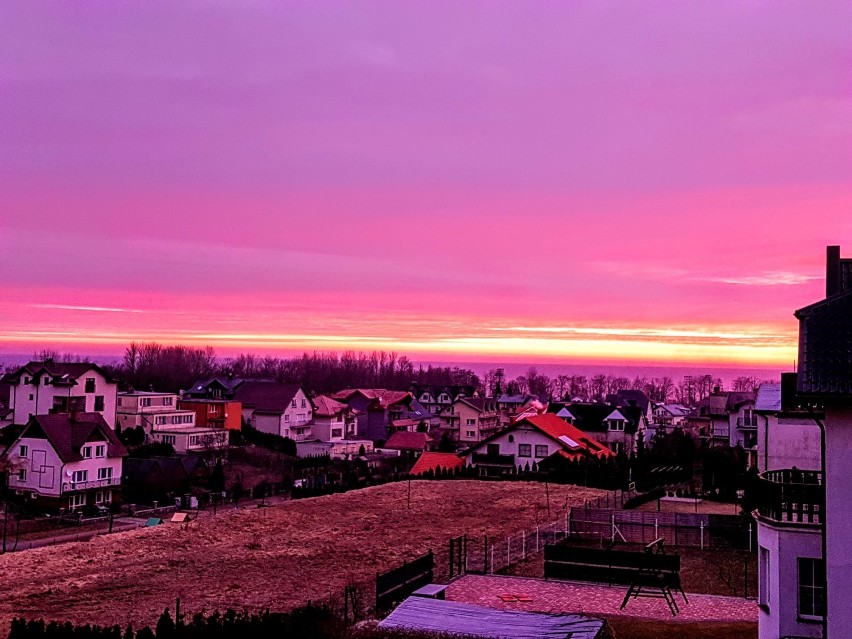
677	529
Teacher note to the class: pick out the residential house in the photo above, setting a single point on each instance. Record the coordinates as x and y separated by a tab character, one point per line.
215	388
824	384
625	398
333	420
40	388
618	428
66	460
224	414
436	398
529	442
409	444
278	409
727	419
150	410
191	439
668	416
508	406
375	409
470	419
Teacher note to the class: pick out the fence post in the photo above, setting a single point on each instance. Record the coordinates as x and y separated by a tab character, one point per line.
701	528
656	528
508	550
566	524
485	556
492	559
749	537
523	544
536	538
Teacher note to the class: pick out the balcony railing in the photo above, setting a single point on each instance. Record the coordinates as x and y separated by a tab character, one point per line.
71	486
791	496
493	460
747	422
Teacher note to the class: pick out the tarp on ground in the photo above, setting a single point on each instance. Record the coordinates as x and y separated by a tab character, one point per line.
451	617
153	521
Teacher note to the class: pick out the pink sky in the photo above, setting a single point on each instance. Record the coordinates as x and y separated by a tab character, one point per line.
577	181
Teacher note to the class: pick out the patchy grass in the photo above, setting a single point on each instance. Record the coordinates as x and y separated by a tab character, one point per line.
276	557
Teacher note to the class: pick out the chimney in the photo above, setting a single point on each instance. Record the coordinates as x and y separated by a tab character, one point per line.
832	271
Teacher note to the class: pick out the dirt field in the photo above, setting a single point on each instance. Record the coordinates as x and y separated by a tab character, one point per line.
274	557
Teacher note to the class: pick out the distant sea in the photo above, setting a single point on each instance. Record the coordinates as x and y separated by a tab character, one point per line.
514	369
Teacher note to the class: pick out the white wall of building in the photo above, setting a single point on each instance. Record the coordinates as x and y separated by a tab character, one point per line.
784	545
786	442
522	435
28	399
838	498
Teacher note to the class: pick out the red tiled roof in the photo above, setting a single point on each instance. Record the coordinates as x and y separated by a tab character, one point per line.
405	440
556	427
433	461
325	406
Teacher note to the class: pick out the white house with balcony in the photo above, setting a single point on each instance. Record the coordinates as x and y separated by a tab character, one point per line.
278	409
39	388
66	461
151	411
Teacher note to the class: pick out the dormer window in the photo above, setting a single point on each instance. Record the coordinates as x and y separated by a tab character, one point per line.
86	452
616	424
100	450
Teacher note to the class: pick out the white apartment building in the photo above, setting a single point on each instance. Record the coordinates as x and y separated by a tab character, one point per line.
39	388
152	411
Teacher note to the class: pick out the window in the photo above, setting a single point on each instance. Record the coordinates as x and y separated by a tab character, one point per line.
46	380
22	475
32	397
24	450
105	473
524	450
87	452
169	439
90	384
541	450
80	476
99	403
75	501
616	447
811	587
337	432
293	403
304	403
100	450
145	401
616	424
99	497
286	418
763	577
471	422
493	450
167	401
470	434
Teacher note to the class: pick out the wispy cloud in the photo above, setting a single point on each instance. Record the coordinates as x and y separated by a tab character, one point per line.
770	278
93	309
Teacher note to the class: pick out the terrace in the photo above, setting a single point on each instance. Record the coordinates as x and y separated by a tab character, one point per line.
791	496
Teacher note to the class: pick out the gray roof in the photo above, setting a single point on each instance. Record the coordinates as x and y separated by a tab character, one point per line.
451	617
768	398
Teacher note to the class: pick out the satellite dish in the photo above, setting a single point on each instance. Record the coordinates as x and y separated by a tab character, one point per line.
69	473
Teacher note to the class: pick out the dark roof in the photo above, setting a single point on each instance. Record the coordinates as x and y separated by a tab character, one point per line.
70	371
737	399
266	397
825	347
9	435
67	435
627	397
589	417
201	387
714	405
482	404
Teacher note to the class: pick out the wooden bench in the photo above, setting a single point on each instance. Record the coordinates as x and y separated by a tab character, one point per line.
431	591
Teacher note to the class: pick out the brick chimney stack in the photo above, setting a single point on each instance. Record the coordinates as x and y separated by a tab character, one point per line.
833	284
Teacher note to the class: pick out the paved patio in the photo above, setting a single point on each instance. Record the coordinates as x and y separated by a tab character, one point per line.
592	599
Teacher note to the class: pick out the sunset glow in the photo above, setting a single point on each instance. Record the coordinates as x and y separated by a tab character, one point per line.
455	181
